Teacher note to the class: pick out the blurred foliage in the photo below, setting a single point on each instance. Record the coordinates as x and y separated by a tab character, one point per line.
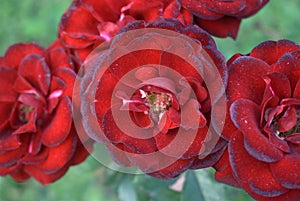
30	20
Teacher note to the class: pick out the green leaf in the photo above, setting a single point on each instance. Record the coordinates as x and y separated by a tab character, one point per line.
191	189
126	191
165	195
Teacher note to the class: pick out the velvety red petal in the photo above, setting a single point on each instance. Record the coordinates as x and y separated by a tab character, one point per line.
7	80
58	156
8	141
16	53
245	79
138	142
5	111
42	177
255	176
103	95
57	89
107	10
280	85
172	170
245	114
296	93
288	64
286	171
252	6
224	172
145	10
133	60
58	58
82	151
293	138
224	7
200	10
78	33
288	120
208	161
59	126
223	27
68	76
19	175
9	158
35	70
271	51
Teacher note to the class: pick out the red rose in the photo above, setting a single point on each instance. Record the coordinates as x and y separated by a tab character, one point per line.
154	96
222	18
88	23
37	136
264	142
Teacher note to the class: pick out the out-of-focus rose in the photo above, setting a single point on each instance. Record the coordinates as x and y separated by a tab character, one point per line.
222	17
88	23
264	131
152	93
37	136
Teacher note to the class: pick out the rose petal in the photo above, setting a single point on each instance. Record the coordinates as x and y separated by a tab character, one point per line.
224	7
288	64
223	27
286	171
255	176
271	51
200	10
84	33
280	85
288	120
208	161
9	141
252	6
224	172
43	178
245	114
293	138
115	135
17	52
7	79
58	156
35	70
56	132
245	80
68	76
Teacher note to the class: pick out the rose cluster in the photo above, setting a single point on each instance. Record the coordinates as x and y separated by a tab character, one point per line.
146	80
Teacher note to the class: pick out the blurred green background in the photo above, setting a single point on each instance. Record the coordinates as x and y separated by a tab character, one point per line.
31	20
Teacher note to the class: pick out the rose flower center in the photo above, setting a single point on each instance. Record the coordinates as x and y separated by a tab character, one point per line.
158	102
24	111
286	122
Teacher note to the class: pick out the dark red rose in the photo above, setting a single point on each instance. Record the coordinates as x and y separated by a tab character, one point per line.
264	131
37	136
154	106
88	23
222	18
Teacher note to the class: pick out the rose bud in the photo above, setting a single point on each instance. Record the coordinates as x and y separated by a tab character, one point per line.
154	96
37	136
264	125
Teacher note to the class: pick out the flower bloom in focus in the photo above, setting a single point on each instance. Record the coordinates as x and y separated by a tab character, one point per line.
264	131
37	136
154	107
